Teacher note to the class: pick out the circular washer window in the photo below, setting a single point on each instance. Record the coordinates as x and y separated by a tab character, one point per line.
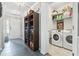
69	39
56	37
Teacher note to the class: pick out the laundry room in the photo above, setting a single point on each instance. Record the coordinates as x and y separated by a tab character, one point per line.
60	29
39	28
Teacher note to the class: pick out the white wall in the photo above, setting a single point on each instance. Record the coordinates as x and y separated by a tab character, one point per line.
75	29
68	23
1	30
44	27
53	24
35	7
1	34
78	32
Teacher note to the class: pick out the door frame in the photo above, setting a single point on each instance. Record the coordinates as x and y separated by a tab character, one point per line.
75	29
10	15
14	20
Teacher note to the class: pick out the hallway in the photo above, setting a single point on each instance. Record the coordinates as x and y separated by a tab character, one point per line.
16	47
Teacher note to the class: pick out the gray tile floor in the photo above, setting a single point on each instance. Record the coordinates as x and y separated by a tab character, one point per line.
17	47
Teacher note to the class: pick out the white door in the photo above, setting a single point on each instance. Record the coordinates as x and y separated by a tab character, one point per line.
15	28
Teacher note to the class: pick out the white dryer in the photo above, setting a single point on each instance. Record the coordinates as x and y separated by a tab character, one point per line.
67	40
57	38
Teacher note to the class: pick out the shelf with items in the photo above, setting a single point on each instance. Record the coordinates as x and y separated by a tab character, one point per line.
31	30
62	13
62	16
57	14
31	16
66	17
31	23
26	21
25	25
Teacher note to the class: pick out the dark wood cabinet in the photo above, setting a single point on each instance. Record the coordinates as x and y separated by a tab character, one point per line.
0	9
31	27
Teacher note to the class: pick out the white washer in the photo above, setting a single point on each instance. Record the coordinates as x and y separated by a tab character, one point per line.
57	38
67	40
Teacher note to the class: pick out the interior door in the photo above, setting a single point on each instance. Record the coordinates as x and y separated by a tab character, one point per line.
15	28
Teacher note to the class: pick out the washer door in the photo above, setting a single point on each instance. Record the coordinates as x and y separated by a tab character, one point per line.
69	39
56	37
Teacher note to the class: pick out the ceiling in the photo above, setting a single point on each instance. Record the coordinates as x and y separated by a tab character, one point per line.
17	7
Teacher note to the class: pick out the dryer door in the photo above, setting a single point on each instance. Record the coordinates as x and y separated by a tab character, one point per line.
69	39
56	37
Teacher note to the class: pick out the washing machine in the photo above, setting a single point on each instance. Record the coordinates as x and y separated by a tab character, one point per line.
67	40
57	38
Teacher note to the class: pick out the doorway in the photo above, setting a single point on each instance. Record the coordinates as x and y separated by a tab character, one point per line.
11	28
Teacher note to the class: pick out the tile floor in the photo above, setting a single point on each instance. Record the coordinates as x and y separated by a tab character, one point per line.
56	51
16	47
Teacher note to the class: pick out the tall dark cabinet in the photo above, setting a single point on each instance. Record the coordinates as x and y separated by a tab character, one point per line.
31	32
0	9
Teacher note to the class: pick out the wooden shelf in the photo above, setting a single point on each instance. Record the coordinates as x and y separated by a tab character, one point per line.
28	21
63	18
57	14
32	39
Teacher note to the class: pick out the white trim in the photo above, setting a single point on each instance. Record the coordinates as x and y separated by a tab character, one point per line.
44	28
75	25
22	24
